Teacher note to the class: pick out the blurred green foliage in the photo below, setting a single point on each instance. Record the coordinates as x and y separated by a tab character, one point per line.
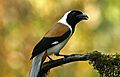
24	22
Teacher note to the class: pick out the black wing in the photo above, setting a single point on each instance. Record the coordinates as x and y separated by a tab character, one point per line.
46	43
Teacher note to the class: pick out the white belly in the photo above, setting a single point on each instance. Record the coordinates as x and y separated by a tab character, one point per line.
57	48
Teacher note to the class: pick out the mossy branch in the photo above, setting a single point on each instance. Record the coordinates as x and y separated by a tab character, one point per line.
106	65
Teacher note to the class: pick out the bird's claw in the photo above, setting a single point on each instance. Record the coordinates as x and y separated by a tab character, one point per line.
65	56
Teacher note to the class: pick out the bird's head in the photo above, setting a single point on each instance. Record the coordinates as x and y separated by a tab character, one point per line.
73	17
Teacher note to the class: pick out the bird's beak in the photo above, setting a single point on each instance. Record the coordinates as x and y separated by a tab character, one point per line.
83	16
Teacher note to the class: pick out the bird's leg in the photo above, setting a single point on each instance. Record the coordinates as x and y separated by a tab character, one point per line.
48	56
57	54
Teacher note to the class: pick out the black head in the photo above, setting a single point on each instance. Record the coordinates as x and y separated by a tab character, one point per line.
75	16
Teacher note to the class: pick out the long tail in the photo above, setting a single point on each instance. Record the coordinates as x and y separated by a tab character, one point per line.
36	65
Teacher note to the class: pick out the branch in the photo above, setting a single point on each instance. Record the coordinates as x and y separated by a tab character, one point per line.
106	65
71	58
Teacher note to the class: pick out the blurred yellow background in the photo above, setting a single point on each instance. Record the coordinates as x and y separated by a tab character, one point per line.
24	22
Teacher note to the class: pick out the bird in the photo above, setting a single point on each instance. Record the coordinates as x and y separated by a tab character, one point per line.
55	39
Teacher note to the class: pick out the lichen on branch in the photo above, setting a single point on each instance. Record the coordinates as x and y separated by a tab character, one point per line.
106	65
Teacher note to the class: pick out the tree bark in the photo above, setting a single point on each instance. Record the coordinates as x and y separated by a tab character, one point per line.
70	58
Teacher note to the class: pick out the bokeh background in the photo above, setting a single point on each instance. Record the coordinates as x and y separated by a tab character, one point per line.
24	22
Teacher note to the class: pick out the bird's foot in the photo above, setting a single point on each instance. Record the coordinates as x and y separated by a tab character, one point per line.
62	55
50	58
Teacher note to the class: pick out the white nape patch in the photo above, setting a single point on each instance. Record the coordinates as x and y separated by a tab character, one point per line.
55	42
63	20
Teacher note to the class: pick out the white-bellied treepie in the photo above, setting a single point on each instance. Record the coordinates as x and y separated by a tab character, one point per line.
55	39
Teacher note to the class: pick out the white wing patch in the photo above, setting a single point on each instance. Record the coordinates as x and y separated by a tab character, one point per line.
55	42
